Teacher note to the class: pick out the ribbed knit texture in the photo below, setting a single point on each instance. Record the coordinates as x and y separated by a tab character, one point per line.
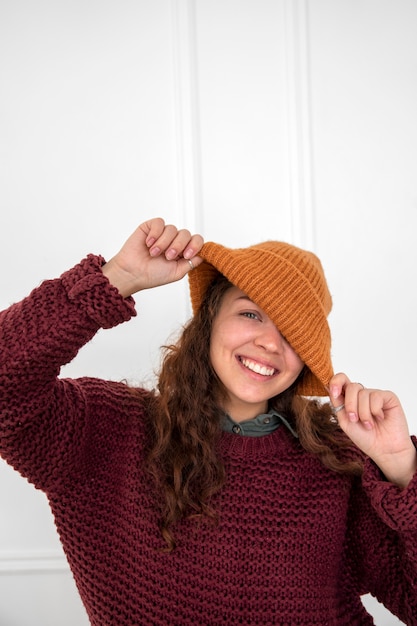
288	283
295	545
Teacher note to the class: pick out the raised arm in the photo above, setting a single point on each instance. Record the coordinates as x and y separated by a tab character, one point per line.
38	335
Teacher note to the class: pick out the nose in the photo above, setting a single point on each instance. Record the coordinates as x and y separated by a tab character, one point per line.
270	338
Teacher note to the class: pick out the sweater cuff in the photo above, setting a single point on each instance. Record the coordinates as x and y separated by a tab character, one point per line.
87	286
395	506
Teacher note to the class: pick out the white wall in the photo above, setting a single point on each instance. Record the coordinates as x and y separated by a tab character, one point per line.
243	119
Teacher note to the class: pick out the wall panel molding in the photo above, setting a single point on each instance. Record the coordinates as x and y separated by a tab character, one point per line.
187	118
299	122
29	561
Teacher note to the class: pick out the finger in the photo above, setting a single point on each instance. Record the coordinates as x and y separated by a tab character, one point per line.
376	405
337	387
357	402
184	245
152	229
358	409
179	243
162	243
186	265
192	248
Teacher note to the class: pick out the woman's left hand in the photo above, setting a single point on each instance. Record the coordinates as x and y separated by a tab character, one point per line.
374	420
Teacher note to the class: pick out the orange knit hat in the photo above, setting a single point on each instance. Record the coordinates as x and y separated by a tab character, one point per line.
286	282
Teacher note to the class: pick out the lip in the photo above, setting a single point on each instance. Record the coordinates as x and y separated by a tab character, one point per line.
260	369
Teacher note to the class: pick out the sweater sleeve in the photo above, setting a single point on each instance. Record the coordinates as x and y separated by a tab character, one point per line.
383	542
37	336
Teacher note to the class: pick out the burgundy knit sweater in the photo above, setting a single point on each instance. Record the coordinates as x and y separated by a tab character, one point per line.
295	544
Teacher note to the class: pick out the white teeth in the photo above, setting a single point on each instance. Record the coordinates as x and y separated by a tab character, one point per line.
258	369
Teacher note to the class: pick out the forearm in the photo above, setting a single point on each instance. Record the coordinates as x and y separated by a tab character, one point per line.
46	330
383	540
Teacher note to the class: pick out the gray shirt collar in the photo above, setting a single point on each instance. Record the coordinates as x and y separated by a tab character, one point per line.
259	426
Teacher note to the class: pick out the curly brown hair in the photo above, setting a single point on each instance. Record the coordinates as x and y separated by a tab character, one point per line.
186	423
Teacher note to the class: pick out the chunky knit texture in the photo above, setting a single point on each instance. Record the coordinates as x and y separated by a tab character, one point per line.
295	544
288	283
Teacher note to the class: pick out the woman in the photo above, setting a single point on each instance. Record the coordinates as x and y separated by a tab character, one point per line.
230	495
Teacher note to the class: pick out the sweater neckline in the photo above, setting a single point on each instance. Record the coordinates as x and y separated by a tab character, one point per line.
281	442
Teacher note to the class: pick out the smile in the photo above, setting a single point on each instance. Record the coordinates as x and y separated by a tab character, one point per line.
257	368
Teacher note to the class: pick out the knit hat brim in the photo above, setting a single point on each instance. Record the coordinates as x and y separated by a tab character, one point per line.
287	283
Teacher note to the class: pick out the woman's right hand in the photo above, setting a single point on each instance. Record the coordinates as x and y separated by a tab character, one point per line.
155	254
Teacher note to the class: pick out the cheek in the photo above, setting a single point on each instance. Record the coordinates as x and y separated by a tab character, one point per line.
214	346
223	343
297	363
216	356
227	339
218	344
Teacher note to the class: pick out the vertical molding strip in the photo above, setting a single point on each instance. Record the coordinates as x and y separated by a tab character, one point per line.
187	118
299	123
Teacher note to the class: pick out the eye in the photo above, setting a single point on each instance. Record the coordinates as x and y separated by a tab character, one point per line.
251	315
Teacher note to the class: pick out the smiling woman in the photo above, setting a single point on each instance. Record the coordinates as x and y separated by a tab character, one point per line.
250	356
178	503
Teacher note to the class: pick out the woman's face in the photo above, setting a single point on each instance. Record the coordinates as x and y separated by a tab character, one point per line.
250	356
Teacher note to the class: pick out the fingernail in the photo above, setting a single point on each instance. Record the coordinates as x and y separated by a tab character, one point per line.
353	417
334	392
154	251
171	254
188	253
150	242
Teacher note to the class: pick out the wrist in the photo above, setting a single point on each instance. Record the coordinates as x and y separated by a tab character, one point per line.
400	469
122	280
